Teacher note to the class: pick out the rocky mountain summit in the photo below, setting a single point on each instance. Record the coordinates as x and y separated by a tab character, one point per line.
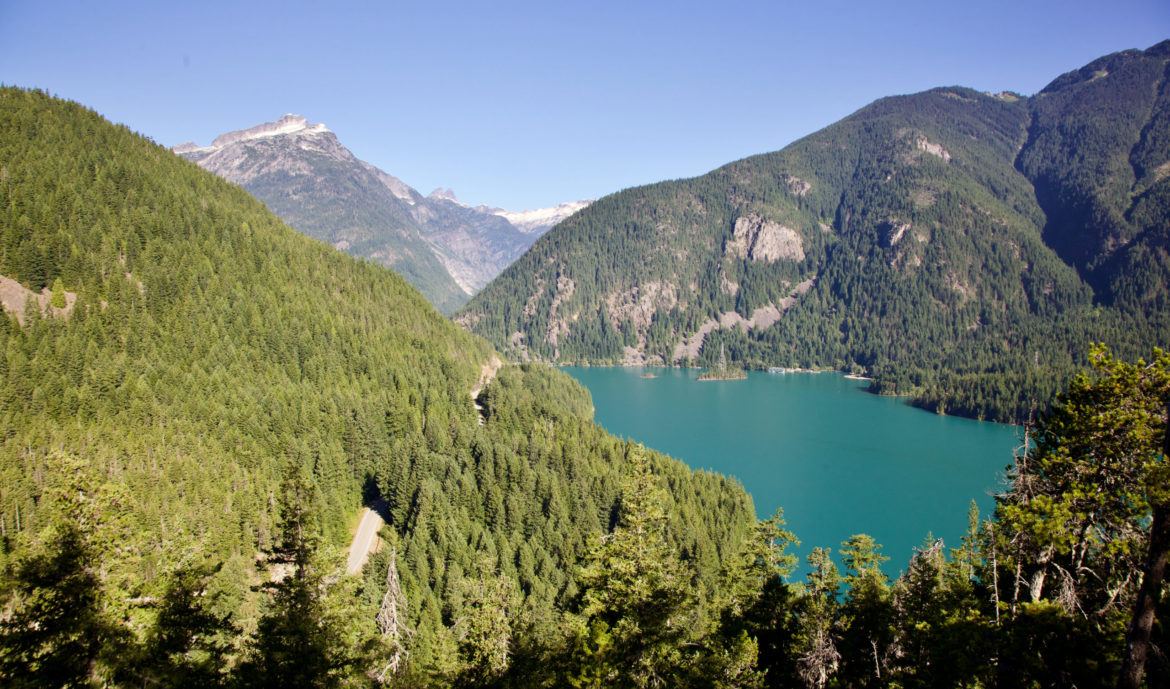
445	248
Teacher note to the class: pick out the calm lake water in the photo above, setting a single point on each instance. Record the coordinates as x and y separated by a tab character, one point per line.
839	460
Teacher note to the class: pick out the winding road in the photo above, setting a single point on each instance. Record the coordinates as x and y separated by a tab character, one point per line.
366	539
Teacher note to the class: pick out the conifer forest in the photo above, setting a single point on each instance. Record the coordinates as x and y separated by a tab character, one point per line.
196	402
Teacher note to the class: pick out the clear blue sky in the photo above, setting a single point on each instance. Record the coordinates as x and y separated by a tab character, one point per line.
527	104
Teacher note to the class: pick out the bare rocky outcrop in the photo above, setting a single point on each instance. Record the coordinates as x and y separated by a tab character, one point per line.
923	144
14	298
632	356
797	185
892	231
767	316
920	145
487	372
799	291
726	285
516	341
533	301
639	303
764	317
764	240
558	325
689	347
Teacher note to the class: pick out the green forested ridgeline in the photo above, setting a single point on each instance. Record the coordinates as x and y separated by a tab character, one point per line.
959	247
1047	592
183	451
222	397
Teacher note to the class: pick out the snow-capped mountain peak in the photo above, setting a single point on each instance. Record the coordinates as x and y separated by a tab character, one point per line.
539	220
289	124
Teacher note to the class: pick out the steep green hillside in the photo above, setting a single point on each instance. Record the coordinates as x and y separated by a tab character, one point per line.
1098	153
190	420
208	350
961	247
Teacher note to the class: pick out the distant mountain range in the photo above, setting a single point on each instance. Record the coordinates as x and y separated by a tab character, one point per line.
957	246
446	249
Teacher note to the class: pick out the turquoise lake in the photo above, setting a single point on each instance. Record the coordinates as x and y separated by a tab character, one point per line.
837	459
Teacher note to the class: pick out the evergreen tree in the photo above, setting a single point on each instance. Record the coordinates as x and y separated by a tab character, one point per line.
866	614
60	631
190	644
484	629
58	296
635	602
760	601
818	654
296	642
1076	523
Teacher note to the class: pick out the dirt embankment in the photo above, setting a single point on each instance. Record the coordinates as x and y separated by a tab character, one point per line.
486	373
14	297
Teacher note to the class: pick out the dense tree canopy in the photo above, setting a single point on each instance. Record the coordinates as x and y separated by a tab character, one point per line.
184	446
207	351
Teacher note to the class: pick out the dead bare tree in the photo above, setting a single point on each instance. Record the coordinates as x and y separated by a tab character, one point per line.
391	621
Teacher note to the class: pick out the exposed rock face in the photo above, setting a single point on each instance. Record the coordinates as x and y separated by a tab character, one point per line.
234	156
892	231
639	303
14	298
764	240
558	324
762	318
797	185
445	248
933	149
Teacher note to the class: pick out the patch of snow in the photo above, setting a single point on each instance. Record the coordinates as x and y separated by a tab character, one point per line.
289	124
538	220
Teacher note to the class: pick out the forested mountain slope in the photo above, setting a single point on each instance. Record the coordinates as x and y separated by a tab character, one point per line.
209	350
191	417
961	247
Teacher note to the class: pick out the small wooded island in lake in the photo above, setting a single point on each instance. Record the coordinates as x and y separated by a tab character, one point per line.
723	372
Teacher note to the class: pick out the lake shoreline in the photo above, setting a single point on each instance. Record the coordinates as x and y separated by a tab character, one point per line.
837	462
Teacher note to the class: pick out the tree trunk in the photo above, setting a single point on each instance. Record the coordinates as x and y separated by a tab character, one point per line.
1137	644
